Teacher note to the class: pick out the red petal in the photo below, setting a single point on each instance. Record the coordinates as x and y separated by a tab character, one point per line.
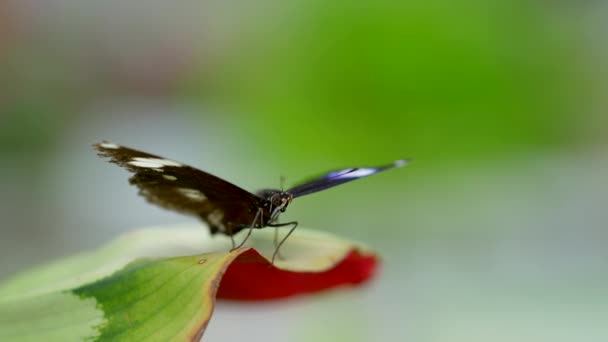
252	277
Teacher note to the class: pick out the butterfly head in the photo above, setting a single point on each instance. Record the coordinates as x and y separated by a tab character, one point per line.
279	201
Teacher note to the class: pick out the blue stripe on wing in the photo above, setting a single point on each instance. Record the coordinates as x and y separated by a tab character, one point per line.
338	177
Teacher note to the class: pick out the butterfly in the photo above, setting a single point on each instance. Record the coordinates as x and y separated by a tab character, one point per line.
223	206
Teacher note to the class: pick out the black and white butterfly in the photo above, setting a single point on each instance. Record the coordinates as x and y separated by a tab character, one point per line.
225	207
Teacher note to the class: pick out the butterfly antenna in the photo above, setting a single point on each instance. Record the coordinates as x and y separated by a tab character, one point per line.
282	180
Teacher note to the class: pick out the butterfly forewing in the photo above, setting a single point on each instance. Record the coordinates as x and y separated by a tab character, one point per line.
225	207
338	177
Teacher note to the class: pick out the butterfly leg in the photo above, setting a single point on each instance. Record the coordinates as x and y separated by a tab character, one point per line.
276	251
229	233
276	242
255	219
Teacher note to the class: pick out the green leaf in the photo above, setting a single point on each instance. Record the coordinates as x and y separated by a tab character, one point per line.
159	299
138	288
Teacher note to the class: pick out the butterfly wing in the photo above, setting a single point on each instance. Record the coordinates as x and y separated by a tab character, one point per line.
338	177
225	207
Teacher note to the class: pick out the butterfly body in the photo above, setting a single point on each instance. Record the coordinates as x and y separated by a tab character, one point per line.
225	207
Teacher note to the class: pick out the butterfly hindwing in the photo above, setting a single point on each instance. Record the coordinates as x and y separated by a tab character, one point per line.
225	207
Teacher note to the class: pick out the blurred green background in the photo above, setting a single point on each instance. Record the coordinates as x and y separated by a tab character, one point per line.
497	231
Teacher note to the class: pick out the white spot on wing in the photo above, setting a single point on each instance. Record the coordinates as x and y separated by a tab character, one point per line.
153	163
362	172
400	163
109	145
353	173
215	217
144	164
169	177
192	194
